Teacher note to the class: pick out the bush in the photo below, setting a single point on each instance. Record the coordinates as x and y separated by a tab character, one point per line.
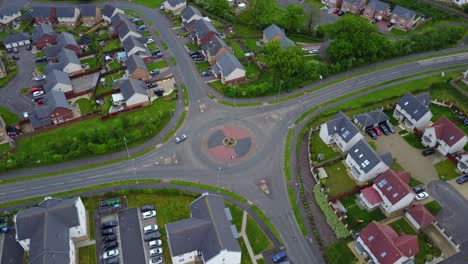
332	219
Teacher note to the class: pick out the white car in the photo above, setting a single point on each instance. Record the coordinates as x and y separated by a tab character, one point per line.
150	228
110	254
161	7
149	214
150	40
180	138
421	196
314	51
40	78
155	243
38	93
155	252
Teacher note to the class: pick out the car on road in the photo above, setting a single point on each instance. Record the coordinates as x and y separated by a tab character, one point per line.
421	196
341	13
371	133
336	11
109	224
428	152
39	78
149	214
152	236
142	27
156	252
180	138
150	228
15	57
384	129
156	260
154	72
149	41
462	179
279	257
377	131
390	127
155	243
15	50
110	245
146	208
153	84
206	73
38	93
109	238
110	253
418	189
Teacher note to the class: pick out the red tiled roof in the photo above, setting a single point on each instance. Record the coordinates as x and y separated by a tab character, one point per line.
404	176
386	245
447	131
372	196
421	215
393	186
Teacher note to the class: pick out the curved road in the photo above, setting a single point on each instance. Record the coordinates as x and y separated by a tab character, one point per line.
268	123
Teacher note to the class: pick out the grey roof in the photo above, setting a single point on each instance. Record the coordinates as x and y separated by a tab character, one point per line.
214	45
65	11
53	66
208	230
378	5
108	10
88	11
15	37
403	12
55	77
8	11
41	30
129	87
133	62
386	158
41	11
364	156
203	27
189	12
130	42
52	51
342	126
417	107
174	3
355	2
65	38
40	116
125	27
273	30
372	118
117	19
286	42
365	120
47	226
67	56
379	116
227	63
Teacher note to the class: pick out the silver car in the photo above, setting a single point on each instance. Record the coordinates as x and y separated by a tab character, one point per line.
180	138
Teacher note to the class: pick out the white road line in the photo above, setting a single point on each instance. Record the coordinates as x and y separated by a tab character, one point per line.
58	183
17	191
38	187
147	165
93	177
75	180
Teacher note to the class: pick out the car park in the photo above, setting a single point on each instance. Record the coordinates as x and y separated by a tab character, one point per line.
462	179
377	131
156	252
390	127
156	260
109	224
371	133
108	231
146	208
38	93
113	260
40	78
180	138
206	73
110	253
109	238
428	152
421	196
15	57
149	214
111	245
155	243
154	72
418	189
384	130
279	257
152	236
150	228
153	84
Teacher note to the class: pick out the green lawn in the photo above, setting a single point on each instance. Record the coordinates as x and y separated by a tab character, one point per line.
245	258
297	213
203	66
446	170
389	113
236	214
192	46
317	146
357	218
114	65
433	207
414	182
111	45
149	3
251	70
152	46
303	39
91	61
87	254
8	117
402	227
40	67
339	253
463	85
85	106
242	30
446	92
251	43
4	148
414	141
100	89
338	180
257	238
438	111
238	52
104	36
40	54
157	65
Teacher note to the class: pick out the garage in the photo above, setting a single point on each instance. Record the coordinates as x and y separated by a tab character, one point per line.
16	40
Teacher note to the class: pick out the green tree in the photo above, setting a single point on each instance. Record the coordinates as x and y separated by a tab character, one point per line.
465	8
293	19
263	12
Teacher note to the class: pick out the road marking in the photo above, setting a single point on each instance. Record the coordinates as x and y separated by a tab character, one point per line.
17	191
38	187
93	177
147	165
75	180
58	183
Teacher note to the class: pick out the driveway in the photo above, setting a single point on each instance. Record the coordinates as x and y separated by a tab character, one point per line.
409	158
461	188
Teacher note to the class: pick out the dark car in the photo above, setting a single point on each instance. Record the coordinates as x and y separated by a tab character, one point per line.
9	50
194	53
109	224
206	73
146	208
279	257
109	238
375	20
110	245
114	260
384	129
108	231
390	24
428	152
390	128
15	57
154	52
151	85
157	55
159	92
41	59
28	47
371	133
462	179
199	59
341	13
418	189
152	236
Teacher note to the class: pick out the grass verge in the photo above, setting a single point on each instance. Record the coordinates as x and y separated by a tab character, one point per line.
173	60
177	126
287	155
257	238
297	213
186	95
238	105
267	222
87	254
210	188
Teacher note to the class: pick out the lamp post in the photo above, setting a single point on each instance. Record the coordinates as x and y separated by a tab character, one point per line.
350	61
219	172
279	89
126	147
172	118
235	89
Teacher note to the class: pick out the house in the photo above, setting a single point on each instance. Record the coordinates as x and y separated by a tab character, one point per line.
65	40
3	71
364	164
43	36
175	6
16	40
402	18
413	111
460	3
332	3
390	191
136	68
9	14
208	236
117	20
190	14
55	110
90	15
228	69
67	62
419	216
134	92
44	14
340	131
275	33
376	9
370	119
203	31
3	132
109	11
445	136
133	45
381	244
127	29
50	230
462	164
58	81
67	16
215	48
353	6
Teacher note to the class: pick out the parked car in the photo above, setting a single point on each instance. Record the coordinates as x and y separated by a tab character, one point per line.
390	24
153	84
110	253
149	214
25	115
180	138
28	47
109	224
36	89
197	59
146	208
336	11
156	252
38	93
157	55
371	133
149	41
113	260
9	50
40	78
109	238
108	231
142	27
15	57
36	99
377	131
206	73
418	189
313	51
155	243
375	20
325	8
154	52
152	236
110	245
462	179
40	102
390	128
428	152
384	130
159	92
421	196
161	7
41	59
15	50
136	19
194	53
341	13
279	257
150	228
154	72
156	260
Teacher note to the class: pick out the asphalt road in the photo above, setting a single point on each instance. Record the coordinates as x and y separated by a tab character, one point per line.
269	123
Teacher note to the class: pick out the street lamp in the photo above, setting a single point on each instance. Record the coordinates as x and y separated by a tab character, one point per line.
126	147
219	172
134	171
350	61
279	89
172	118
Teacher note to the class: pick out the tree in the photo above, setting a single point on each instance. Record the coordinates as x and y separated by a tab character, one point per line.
293	19
264	12
465	8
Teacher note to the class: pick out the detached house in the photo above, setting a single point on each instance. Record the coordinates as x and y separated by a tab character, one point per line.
203	31
402	18
55	110
445	136
3	71
381	244
133	45
419	216
190	14
67	16
137	69
376	9
65	40
127	29
175	6
340	131
228	69
44	14
90	15
109	11
214	49
390	191
49	231
353	6
67	62
208	236
58	81
462	164
371	119
413	111
364	164
275	33
9	14
3	132
133	92
43	36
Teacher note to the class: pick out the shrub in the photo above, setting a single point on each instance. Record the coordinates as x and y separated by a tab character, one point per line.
332	219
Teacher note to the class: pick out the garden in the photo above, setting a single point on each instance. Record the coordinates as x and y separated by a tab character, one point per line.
358	218
446	170
339	253
111	45
157	65
85	106
318	147
338	180
433	207
332	219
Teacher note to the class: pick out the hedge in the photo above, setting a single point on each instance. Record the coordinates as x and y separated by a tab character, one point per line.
332	219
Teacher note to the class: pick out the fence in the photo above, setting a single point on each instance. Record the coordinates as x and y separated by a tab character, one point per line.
79	75
129	109
353	191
